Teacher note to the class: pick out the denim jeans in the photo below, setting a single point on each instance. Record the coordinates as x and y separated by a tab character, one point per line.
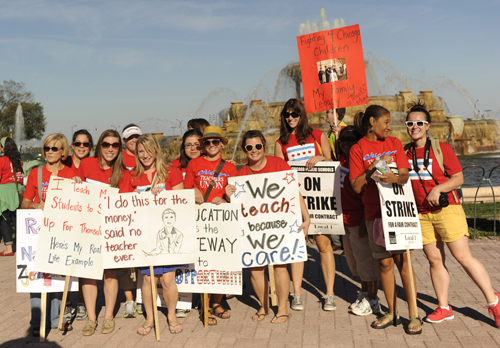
53	308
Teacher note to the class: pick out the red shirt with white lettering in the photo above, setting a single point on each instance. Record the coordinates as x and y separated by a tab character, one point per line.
274	164
293	151
31	191
200	172
352	203
130	182
7	172
362	154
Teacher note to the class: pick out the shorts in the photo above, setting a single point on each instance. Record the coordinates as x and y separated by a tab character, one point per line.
446	224
379	252
359	255
128	278
159	270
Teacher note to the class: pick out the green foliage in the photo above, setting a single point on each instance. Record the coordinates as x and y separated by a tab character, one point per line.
12	92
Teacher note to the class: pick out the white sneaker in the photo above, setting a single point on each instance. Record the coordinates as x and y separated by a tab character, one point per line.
361	296
129	311
297	304
363	308
375	304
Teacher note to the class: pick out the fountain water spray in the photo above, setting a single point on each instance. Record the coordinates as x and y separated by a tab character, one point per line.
19	133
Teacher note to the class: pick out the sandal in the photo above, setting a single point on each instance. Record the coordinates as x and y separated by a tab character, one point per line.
393	320
66	327
221	314
35	332
257	317
144	330
211	320
276	318
415	322
171	328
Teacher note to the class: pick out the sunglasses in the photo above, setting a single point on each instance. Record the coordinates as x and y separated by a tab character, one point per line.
106	145
294	114
348	139
53	148
410	124
216	142
78	144
257	147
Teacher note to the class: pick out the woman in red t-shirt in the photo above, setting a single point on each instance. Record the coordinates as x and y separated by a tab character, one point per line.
130	134
254	145
106	167
374	123
299	142
82	145
190	148
440	224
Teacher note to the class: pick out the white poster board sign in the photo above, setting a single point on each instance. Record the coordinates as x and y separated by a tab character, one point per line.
217	269
399	217
141	229
320	187
270	212
27	230
70	236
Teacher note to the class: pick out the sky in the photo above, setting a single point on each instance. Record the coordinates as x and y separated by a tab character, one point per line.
104	64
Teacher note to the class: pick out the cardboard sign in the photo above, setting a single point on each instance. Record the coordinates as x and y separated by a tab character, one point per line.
320	187
399	217
333	69
70	236
27	231
141	229
270	211
217	269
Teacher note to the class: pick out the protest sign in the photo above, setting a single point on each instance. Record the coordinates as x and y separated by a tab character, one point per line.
217	269
333	69
141	229
399	217
320	187
270	212
28	280
70	236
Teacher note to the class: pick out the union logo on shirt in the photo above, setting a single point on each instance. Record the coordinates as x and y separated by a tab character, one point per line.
343	173
425	174
301	152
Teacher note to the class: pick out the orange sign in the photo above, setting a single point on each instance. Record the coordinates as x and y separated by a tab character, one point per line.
333	69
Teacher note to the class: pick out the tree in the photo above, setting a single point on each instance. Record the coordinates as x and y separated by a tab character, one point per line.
12	92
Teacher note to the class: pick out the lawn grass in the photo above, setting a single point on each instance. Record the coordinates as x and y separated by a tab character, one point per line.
484	218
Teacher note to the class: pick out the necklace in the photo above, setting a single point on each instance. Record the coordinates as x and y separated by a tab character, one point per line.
215	163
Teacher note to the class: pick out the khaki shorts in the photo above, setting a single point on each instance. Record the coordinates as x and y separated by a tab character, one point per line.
446	224
379	252
128	280
359	255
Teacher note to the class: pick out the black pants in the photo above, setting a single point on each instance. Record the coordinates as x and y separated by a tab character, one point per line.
6	226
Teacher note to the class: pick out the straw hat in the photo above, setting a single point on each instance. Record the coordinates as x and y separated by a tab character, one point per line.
211	132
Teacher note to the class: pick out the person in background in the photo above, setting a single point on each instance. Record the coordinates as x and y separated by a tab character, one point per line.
130	134
197	123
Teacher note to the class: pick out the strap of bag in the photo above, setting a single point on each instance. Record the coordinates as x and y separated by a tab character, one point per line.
249	170
212	182
40	189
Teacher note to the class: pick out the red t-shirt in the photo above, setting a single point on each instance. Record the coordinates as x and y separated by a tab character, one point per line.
31	191
130	183
90	170
274	164
451	165
177	164
295	152
352	203
362	154
128	160
200	172
7	172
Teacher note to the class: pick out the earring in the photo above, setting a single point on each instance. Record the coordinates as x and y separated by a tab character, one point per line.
371	129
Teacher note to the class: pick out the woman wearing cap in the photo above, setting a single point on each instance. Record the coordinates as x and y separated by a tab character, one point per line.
106	167
130	134
199	175
82	145
11	175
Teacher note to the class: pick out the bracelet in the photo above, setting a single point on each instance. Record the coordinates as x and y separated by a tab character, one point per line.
29	205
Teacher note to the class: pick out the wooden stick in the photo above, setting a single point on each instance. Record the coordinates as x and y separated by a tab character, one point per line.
412	283
63	303
272	284
154	294
206	304
43	316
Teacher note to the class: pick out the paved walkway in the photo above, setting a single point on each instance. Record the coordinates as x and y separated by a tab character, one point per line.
313	327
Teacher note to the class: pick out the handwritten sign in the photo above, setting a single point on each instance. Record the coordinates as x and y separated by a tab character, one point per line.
27	231
270	211
141	229
217	269
320	187
333	69
399	217
70	236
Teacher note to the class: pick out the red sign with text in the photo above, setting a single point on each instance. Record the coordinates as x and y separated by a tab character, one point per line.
333	69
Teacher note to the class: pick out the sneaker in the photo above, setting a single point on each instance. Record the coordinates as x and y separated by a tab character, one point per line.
68	313
129	311
140	308
375	304
439	315
297	304
494	310
181	313
362	308
361	296
330	304
81	312
108	326
89	328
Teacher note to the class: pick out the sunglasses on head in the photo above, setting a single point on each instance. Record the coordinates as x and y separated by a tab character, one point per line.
410	124
53	148
78	144
207	142
106	145
294	114
257	147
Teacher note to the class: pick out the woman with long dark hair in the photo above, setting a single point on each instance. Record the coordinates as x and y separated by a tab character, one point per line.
191	148
82	145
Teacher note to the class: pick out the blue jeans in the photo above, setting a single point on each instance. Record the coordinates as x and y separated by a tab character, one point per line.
53	308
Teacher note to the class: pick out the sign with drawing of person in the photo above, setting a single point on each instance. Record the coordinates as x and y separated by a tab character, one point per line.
141	229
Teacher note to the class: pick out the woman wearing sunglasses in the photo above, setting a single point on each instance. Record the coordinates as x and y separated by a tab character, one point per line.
106	167
254	145
298	142
130	134
82	145
55	149
191	147
201	174
442	218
